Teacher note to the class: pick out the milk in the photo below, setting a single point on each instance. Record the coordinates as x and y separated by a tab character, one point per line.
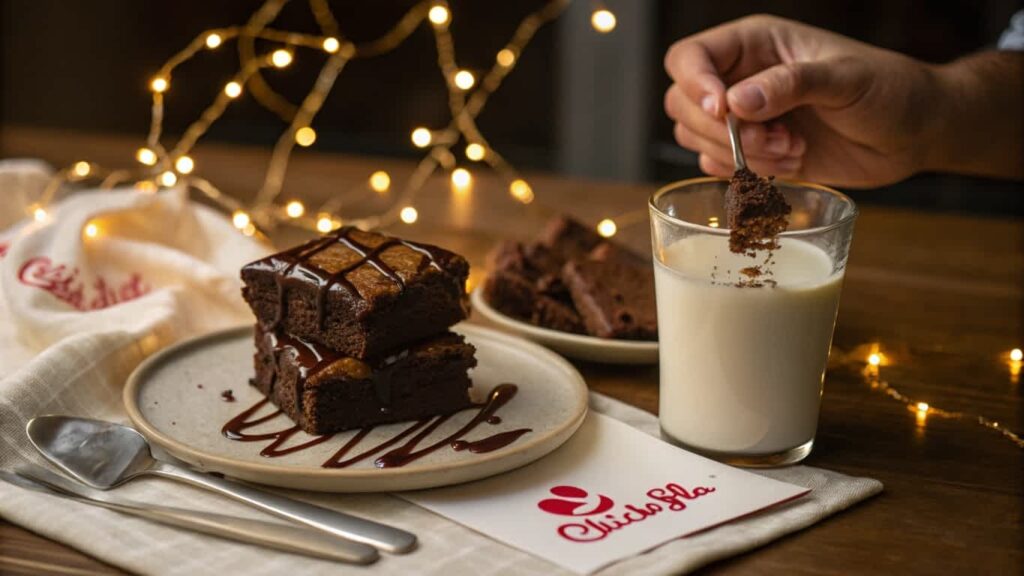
742	368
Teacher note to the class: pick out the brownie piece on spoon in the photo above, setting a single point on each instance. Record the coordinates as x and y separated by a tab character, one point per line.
756	213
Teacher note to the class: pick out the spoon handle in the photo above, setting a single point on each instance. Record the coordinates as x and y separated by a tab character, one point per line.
385	537
733	124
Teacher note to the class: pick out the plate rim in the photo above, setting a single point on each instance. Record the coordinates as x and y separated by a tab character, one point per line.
480	304
174	447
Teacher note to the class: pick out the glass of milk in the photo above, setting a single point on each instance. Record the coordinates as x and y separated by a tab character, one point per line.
742	367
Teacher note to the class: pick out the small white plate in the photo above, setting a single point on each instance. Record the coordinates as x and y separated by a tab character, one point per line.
174	399
572	345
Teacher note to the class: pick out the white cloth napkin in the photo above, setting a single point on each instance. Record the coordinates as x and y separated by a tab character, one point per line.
172	266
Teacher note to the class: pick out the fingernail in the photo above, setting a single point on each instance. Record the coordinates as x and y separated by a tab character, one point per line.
710	104
748	97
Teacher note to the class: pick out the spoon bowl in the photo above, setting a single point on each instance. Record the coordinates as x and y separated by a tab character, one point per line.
100	454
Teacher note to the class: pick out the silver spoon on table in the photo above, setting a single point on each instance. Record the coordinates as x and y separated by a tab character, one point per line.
733	124
267	534
104	455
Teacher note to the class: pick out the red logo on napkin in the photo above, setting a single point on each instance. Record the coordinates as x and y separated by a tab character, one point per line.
575	502
63	282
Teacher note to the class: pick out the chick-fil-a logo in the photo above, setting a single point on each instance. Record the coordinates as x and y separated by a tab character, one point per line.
577	502
63	282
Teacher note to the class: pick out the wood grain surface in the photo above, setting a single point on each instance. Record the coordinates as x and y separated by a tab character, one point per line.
941	294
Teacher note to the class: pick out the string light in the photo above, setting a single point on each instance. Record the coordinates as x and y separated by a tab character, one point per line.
464	79
475	152
281	58
81	169
505	57
1016	355
213	40
439	15
607	228
603	20
145	156
39	214
233	89
324	223
521	191
91	230
875	359
295	209
305	136
168	179
249	229
409	215
184	165
240	219
380	181
421	137
331	45
461	178
159	85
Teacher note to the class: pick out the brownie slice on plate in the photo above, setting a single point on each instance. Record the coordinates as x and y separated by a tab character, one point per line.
614	294
324	391
525	282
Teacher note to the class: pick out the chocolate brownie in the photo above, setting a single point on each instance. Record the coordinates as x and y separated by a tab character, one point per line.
614	296
525	282
756	212
324	391
568	238
359	293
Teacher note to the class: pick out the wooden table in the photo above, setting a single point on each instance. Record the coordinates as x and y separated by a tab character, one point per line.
941	295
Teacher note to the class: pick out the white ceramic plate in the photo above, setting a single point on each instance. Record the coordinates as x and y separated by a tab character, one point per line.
572	345
174	399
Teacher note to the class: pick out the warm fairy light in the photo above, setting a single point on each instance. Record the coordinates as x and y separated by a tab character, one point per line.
331	45
91	230
607	228
1016	355
922	406
461	178
281	58
145	156
464	79
168	179
521	191
240	219
233	89
249	229
81	169
713	222
875	359
213	40
39	214
184	165
409	215
603	20
421	137
305	136
324	223
475	152
506	57
294	209
439	15
380	181
159	84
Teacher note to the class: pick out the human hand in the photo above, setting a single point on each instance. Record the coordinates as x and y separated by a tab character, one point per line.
815	105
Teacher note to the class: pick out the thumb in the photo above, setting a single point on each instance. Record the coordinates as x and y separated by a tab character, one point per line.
774	91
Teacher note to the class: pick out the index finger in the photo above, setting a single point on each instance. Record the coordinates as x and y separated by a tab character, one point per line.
696	63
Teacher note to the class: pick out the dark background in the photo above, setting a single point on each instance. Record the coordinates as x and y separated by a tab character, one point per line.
84	66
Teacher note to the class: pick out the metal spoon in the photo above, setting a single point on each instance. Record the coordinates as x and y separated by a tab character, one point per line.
734	138
277	536
104	455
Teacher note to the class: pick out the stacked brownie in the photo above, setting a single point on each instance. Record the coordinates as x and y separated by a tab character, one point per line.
571	279
353	330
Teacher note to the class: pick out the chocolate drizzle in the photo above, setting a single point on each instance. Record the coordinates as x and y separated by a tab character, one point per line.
300	268
405	453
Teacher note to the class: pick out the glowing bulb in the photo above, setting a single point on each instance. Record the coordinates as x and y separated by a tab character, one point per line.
521	191
249	229
331	45
461	178
1016	355
439	15
607	228
324	223
159	84
281	58
305	136
233	89
294	209
603	20
184	165
81	169
464	79
475	152
506	57
240	219
380	181
91	230
39	214
421	137
922	406
875	359
168	179
408	214
213	40
145	156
